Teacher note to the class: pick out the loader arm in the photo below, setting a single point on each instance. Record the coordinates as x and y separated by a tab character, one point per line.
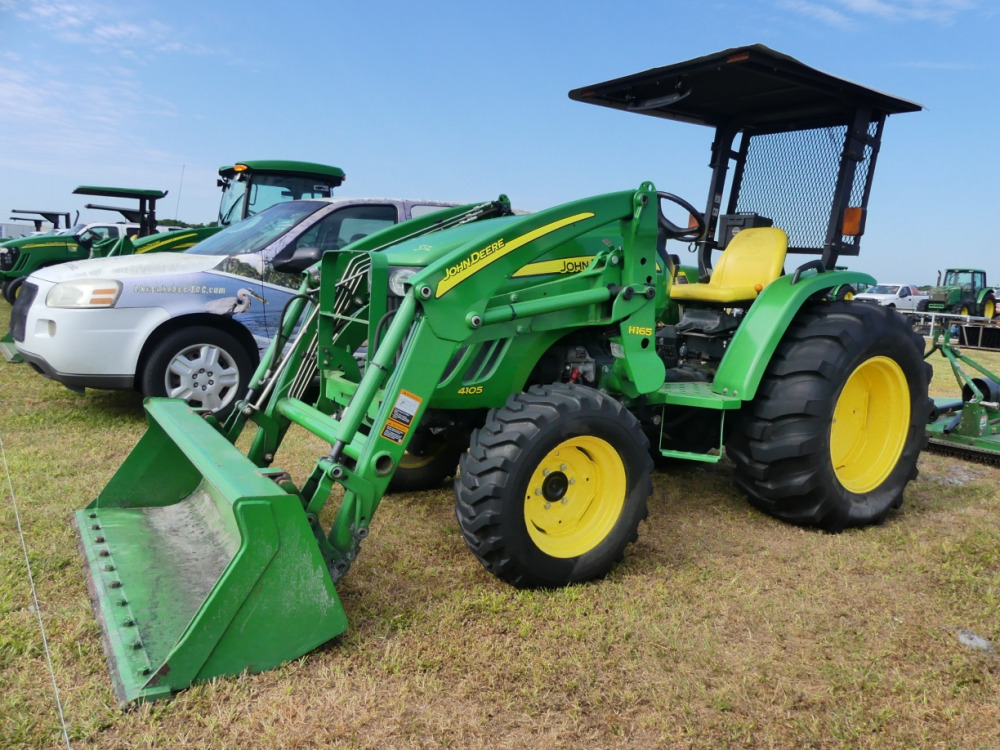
369	423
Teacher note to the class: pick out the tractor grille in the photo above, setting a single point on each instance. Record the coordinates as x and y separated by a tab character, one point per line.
485	360
8	258
791	178
19	313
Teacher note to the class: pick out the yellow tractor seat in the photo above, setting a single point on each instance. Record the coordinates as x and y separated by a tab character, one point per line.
752	260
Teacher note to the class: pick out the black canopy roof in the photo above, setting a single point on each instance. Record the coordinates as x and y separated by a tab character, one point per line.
751	87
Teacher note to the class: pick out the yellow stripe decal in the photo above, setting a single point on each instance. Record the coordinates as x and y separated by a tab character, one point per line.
559	265
35	245
476	262
165	241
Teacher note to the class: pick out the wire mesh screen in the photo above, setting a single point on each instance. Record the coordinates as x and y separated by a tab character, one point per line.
791	178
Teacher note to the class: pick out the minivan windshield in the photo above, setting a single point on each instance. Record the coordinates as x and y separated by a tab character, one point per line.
259	231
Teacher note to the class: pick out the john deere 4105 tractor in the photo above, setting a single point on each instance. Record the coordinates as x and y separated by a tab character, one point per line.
543	359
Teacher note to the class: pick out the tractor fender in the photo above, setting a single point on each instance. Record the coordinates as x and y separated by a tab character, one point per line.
982	294
765	324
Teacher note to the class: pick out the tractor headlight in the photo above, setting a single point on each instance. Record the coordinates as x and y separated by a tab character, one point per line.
398	277
88	293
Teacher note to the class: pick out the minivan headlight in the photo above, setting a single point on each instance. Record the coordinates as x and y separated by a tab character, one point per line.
89	293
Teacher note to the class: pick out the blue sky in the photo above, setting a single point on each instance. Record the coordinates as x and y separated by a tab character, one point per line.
466	100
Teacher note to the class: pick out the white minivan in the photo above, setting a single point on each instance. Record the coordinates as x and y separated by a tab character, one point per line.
188	325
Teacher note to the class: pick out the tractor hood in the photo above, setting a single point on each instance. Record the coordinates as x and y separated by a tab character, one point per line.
40	240
424	250
129	267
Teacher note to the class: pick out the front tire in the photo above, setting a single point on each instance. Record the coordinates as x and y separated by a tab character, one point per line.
553	486
431	457
206	367
833	435
12	288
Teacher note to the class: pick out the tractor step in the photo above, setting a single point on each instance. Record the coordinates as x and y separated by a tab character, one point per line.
697	394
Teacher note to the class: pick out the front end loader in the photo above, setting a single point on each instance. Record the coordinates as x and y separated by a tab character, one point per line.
544	360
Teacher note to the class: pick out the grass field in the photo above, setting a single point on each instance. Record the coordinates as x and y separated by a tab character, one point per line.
722	628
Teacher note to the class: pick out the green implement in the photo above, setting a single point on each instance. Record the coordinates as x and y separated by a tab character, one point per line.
968	427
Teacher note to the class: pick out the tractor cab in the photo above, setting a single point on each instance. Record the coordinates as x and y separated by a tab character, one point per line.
794	150
792	163
248	187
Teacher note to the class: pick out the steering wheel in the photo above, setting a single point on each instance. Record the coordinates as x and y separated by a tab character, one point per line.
674	232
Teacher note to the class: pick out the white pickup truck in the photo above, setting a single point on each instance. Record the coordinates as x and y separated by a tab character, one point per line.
899	296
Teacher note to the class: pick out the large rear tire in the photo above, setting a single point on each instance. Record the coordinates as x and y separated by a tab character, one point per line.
833	435
989	307
554	486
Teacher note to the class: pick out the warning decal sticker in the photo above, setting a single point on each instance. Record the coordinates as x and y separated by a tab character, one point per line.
401	417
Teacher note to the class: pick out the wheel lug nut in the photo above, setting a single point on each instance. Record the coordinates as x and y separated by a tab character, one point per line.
564	500
563	467
548	505
545	472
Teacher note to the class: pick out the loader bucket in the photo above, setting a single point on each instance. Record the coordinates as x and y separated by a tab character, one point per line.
198	564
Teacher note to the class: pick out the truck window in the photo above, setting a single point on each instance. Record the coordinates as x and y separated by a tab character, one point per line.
423	210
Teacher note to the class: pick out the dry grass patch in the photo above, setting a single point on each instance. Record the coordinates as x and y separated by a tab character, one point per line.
722	627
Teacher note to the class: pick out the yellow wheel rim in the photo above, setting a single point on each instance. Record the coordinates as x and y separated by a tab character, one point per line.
870	423
412	461
965	310
989	308
575	496
849	296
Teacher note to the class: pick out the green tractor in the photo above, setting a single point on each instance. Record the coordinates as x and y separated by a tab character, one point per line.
247	188
58	220
18	258
963	291
544	360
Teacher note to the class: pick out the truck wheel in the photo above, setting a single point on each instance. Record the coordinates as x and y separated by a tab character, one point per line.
205	366
833	435
12	288
430	458
554	486
989	307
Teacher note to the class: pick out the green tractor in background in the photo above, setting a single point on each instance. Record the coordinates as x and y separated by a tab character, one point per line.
247	188
963	291
18	258
38	218
544	360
